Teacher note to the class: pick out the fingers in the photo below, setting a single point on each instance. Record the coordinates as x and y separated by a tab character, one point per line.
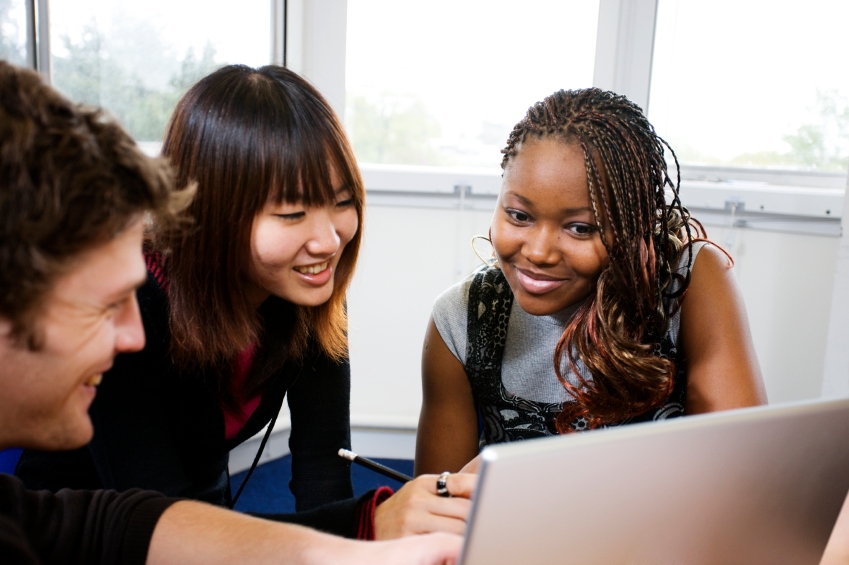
461	484
420	495
442	549
430	549
411	516
416	509
448	507
430	523
472	466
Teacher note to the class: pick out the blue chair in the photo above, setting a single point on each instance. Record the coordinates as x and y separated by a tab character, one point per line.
9	459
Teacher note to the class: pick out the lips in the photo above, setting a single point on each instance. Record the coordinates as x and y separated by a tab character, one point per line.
538	283
316	275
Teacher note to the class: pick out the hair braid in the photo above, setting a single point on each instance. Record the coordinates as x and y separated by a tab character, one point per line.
617	331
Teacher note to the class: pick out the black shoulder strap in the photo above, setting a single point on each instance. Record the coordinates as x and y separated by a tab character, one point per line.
490	300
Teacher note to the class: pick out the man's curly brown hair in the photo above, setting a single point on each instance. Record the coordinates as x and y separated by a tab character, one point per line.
70	180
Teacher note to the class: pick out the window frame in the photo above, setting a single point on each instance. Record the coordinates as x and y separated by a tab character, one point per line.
309	36
793	201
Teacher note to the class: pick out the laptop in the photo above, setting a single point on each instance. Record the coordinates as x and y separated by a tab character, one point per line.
752	486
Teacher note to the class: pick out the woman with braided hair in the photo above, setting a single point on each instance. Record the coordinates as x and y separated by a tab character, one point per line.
604	304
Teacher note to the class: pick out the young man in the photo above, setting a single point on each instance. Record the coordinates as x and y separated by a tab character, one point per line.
74	193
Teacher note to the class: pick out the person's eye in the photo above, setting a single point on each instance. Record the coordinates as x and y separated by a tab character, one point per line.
347	203
291	217
518	216
117	305
580	229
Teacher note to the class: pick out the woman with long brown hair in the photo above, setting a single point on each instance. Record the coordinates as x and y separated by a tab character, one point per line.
245	306
604	304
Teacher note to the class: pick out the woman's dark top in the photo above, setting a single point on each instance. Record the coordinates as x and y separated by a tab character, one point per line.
160	430
104	527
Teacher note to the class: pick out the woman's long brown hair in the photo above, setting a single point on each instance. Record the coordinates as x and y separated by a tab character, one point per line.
617	331
247	137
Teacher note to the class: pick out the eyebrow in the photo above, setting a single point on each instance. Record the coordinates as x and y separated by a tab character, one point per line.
565	211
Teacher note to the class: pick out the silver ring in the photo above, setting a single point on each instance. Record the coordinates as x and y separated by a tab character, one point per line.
442	485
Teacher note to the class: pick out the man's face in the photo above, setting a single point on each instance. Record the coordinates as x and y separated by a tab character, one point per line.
90	315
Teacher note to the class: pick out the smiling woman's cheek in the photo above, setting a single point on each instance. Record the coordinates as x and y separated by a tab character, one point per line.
284	251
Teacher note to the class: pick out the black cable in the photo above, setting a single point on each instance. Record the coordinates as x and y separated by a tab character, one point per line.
256	459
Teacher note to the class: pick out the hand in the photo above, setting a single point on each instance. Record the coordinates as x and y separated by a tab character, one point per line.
430	549
190	533
837	550
417	509
472	466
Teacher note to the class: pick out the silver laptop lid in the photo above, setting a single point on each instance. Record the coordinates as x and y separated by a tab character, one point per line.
753	486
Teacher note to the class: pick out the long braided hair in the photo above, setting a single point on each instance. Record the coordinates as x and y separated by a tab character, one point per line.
617	331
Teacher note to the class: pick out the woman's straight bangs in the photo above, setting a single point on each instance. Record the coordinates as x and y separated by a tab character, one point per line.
307	148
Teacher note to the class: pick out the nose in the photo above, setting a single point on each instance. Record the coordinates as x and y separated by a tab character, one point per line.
541	245
129	331
324	237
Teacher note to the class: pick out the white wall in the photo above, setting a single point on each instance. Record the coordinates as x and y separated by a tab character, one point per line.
409	257
786	281
836	371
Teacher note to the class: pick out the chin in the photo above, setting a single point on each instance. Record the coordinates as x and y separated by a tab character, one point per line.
72	436
537	310
537	306
316	303
313	300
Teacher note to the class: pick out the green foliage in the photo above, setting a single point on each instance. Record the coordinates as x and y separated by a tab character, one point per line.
102	71
823	144
12	35
193	69
398	129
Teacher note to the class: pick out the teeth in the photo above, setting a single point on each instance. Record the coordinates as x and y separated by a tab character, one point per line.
312	269
94	381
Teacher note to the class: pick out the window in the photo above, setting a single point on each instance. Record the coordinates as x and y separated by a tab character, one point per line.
13	32
753	83
443	82
137	58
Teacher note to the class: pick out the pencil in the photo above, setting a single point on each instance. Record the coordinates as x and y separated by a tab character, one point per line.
374	466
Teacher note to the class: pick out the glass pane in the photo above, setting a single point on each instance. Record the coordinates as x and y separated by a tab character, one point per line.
753	83
13	32
443	82
137	58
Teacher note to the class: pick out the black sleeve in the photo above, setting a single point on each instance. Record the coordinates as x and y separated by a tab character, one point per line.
319	402
101	527
338	518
